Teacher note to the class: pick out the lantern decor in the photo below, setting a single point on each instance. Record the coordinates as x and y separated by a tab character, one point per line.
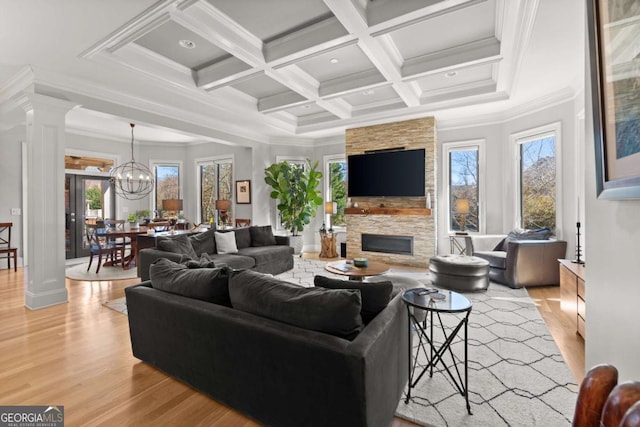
132	180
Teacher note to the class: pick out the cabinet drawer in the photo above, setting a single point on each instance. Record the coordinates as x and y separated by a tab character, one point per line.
568	291
581	308
581	288
581	327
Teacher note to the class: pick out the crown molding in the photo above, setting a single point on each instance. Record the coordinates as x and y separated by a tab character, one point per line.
510	114
17	83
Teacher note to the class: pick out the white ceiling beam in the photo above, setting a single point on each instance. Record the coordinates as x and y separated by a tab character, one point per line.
280	101
319	36
216	27
222	73
516	27
390	20
351	16
459	91
356	81
478	52
302	83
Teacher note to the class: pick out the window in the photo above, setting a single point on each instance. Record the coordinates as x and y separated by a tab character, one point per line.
215	182
167	182
335	184
464	166
537	180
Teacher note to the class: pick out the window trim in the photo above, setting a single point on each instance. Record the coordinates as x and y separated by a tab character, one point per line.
518	138
213	159
152	165
327	160
447	148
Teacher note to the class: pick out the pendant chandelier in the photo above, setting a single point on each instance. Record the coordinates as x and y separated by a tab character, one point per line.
132	180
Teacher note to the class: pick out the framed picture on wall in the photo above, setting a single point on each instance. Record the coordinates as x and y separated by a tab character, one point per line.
243	192
614	28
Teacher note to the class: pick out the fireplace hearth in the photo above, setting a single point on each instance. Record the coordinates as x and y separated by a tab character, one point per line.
401	245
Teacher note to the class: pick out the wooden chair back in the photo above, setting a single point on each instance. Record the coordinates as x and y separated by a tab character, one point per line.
632	416
620	400
593	393
5	228
118	224
5	245
241	222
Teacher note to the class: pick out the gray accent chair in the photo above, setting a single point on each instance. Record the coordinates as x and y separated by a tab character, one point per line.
524	263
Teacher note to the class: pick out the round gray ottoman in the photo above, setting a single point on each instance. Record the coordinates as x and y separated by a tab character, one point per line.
459	272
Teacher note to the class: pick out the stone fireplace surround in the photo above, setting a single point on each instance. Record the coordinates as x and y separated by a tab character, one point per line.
400	216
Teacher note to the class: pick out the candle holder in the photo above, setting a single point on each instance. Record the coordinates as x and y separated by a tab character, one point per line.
578	247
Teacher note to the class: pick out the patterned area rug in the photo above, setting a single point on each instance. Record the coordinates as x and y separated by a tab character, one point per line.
517	376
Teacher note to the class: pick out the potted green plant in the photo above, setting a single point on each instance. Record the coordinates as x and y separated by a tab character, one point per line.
295	187
133	220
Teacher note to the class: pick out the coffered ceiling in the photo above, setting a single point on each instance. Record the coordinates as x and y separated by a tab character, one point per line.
310	68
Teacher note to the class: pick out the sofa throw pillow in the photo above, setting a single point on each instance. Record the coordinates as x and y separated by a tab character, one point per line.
520	234
226	243
243	238
206	284
375	296
178	244
332	311
204	242
205	261
262	236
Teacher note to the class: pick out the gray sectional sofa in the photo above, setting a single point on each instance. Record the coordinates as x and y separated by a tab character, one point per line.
257	249
282	354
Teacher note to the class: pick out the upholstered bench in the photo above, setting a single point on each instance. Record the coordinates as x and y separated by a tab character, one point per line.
459	272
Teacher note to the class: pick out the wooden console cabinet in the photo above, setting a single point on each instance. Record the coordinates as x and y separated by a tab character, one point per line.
572	293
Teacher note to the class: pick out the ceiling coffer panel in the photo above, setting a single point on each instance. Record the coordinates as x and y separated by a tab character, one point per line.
175	42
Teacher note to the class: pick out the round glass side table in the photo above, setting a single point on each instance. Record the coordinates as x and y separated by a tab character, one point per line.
438	302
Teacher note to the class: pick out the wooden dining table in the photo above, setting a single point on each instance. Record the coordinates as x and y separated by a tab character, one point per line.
126	232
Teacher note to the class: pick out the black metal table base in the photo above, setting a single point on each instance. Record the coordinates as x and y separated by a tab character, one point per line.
435	354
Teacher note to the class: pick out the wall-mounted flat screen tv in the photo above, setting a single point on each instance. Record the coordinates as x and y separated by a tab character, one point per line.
387	174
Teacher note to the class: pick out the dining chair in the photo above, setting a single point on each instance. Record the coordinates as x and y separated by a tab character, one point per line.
118	224
240	222
99	245
5	245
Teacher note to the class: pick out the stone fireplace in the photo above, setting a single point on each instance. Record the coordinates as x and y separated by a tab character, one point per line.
403	229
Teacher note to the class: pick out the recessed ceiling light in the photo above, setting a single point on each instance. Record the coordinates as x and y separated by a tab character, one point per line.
306	107
368	92
334	60
187	44
451	74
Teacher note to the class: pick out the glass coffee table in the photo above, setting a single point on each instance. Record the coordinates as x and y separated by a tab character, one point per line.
346	268
438	302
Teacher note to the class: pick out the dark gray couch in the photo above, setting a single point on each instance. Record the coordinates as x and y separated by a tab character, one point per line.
274	372
271	259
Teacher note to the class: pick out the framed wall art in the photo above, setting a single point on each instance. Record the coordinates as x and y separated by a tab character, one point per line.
614	48
243	192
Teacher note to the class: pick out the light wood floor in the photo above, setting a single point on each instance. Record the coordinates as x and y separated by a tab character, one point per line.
78	355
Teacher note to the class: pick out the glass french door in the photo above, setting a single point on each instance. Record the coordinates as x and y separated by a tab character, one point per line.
87	200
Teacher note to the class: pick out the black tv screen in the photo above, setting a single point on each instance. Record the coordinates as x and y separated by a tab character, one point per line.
387	174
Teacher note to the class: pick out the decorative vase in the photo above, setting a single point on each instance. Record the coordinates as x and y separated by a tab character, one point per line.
296	243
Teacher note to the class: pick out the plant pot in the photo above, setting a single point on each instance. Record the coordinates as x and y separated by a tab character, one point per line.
296	243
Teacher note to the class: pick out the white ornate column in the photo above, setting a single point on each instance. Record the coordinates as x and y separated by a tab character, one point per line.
44	277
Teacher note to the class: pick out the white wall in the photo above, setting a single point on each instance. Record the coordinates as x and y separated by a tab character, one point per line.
500	171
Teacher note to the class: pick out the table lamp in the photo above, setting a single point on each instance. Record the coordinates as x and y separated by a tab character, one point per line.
462	208
222	206
172	207
330	208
